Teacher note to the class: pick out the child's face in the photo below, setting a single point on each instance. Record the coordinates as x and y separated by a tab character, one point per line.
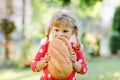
61	31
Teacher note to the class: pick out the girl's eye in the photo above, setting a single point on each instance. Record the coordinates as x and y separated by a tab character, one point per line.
65	31
56	30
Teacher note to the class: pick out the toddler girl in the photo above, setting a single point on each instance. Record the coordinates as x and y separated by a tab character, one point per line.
63	23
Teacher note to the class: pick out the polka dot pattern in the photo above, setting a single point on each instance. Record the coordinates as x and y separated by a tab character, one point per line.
33	61
46	75
73	78
41	50
43	75
49	75
84	70
80	60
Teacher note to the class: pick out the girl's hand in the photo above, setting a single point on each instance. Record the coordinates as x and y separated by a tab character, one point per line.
73	58
76	65
47	58
42	63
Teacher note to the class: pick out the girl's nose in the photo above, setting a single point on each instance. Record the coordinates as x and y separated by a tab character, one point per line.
60	33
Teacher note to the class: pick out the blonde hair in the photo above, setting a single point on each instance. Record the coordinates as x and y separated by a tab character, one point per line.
64	18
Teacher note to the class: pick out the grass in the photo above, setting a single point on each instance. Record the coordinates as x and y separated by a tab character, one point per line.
99	69
102	69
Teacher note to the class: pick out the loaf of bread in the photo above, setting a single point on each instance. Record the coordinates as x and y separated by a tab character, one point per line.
60	66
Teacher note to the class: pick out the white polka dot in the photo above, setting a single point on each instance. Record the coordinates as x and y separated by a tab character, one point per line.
41	50
49	75
84	70
43	75
80	60
33	61
73	78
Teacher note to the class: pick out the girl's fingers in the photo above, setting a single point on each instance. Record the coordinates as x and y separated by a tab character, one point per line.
73	58
47	57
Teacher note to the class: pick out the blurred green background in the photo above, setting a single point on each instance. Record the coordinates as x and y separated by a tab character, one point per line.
23	24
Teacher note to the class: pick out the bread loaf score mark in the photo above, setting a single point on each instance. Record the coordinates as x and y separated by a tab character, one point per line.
67	43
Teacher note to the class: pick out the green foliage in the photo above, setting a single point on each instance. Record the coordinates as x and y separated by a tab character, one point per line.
114	42
115	37
91	44
43	9
39	20
85	3
26	46
66	2
116	20
88	3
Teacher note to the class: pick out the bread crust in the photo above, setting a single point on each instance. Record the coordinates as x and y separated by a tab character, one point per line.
60	66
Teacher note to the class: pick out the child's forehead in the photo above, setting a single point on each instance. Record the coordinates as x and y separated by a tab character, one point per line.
62	27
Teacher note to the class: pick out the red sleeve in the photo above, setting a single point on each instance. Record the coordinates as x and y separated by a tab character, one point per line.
81	60
40	54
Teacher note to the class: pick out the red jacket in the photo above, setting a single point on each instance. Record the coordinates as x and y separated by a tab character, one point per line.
46	75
